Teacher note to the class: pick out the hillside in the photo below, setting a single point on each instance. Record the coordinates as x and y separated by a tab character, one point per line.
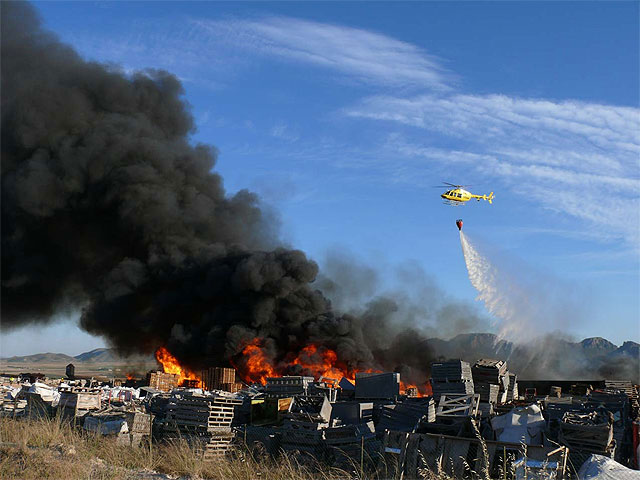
550	357
41	358
98	355
628	349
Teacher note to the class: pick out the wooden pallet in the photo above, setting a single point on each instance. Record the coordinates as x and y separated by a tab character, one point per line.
197	414
452	405
218	445
79	390
622	385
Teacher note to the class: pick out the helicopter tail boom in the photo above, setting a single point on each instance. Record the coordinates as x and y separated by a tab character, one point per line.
488	198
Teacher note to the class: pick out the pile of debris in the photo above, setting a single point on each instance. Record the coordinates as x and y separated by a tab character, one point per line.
346	423
130	427
204	420
76	402
406	416
491	380
586	434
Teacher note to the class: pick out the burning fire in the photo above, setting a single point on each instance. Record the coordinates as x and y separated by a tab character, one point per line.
170	364
320	363
256	367
421	391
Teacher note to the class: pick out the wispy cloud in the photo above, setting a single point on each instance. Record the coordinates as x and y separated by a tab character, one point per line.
282	131
593	126
367	56
575	158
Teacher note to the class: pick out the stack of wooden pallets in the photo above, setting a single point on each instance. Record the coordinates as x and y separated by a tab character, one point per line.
586	434
220	378
165	382
451	377
406	416
207	418
618	402
625	386
491	380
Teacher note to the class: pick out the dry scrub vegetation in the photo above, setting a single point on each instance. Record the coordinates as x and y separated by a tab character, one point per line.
50	448
53	449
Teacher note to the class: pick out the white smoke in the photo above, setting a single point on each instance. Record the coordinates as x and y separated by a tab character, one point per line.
525	303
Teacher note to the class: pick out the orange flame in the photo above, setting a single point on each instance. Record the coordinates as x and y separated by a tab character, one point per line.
257	366
421	391
321	363
130	376
170	364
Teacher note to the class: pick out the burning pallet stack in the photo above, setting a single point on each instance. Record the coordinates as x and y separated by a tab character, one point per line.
451	377
206	419
491	380
281	387
220	378
165	382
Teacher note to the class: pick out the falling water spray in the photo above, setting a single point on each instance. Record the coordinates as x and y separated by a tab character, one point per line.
509	299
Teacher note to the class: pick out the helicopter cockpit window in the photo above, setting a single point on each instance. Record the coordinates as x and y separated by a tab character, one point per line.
459	195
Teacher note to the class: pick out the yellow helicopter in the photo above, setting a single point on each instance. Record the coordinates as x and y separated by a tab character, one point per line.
458	195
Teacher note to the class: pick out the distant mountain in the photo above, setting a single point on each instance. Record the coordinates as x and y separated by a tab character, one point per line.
628	349
98	355
597	346
41	358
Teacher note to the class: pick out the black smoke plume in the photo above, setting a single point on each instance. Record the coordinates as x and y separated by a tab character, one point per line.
108	207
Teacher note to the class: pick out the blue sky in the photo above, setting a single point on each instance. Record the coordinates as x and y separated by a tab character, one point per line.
343	115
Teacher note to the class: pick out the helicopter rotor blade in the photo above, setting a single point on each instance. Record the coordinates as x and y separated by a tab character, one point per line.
459	186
